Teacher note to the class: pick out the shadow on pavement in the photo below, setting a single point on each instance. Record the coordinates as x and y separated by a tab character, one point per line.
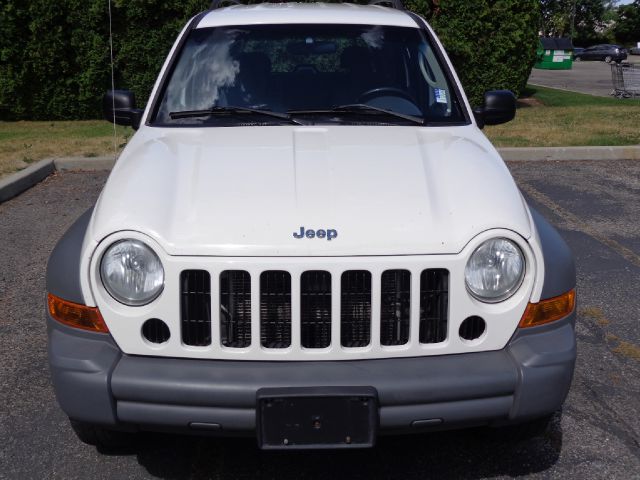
468	454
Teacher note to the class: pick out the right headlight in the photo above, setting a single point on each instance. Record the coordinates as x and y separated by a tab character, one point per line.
495	270
132	273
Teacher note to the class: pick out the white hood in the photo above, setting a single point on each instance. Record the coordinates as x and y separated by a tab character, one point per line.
244	191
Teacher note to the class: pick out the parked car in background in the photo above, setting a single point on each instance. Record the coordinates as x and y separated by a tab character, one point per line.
577	51
605	52
635	51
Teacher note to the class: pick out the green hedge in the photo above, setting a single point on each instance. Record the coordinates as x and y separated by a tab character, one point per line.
54	56
492	43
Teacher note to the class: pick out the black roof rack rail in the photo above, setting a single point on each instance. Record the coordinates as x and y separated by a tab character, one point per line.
221	3
397	4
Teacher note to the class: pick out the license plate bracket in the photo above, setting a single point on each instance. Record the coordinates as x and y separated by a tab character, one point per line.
317	418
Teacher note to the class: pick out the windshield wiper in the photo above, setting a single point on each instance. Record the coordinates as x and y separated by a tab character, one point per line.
359	108
230	111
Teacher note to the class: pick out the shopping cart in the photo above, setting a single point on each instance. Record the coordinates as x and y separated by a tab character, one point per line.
626	80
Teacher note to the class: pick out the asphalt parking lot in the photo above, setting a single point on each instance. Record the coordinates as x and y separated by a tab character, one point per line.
593	78
595	205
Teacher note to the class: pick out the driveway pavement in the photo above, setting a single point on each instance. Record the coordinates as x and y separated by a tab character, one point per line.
593	78
595	205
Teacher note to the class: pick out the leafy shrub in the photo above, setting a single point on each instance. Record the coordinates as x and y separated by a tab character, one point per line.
491	43
54	56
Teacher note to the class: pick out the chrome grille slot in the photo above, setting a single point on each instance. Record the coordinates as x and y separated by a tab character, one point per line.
395	307
315	309
275	309
434	305
235	309
355	308
195	307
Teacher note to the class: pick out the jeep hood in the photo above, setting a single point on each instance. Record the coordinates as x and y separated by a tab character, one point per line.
244	191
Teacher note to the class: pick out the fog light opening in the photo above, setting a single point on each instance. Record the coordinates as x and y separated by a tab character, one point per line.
156	331
472	328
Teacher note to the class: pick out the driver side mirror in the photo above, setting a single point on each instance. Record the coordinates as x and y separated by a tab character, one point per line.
499	107
120	106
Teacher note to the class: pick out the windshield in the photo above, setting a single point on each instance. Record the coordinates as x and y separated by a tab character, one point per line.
315	74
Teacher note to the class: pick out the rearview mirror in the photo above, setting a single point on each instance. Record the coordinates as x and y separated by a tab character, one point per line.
311	47
120	106
499	107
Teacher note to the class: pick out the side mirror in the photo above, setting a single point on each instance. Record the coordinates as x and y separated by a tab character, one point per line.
121	106
499	107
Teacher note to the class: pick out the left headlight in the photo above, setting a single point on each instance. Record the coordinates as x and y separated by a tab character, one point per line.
495	270
132	273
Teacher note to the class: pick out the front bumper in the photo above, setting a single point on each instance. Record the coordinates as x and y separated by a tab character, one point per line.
95	383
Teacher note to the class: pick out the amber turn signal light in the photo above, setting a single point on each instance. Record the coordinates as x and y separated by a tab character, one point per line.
76	315
549	310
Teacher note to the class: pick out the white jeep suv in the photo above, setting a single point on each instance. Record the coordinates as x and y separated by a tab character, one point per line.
309	240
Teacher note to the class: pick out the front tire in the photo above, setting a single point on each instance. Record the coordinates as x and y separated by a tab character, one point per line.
101	437
608	59
577	59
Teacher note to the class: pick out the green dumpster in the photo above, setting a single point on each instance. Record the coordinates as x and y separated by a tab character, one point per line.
555	54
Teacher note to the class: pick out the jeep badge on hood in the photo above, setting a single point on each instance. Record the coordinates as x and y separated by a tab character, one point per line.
328	234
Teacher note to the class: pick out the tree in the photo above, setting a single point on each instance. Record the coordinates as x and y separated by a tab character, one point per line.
557	17
627	26
586	21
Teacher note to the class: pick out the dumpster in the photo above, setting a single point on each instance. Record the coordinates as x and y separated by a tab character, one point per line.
554	54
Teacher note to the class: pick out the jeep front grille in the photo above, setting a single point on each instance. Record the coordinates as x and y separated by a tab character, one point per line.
434	302
315	309
195	307
355	309
323	312
235	308
275	309
395	307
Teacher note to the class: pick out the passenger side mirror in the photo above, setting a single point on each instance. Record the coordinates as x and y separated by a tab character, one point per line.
123	104
499	107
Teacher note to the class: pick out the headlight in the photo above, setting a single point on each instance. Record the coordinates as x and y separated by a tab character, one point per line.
495	270
132	273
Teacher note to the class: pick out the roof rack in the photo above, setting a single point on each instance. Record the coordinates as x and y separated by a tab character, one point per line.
397	4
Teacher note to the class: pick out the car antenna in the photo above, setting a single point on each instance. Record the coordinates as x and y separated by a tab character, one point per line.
113	87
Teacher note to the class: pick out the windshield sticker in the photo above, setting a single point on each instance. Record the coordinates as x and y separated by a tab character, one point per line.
441	95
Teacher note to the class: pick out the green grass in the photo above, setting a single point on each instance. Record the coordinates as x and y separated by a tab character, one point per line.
548	117
22	143
552	97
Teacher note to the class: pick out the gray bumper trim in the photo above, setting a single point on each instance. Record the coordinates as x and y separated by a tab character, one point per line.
234	384
81	364
95	383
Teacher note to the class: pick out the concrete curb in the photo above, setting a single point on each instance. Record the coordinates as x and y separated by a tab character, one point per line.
18	182
84	163
568	154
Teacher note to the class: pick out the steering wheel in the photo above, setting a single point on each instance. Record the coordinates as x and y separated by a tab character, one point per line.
383	92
